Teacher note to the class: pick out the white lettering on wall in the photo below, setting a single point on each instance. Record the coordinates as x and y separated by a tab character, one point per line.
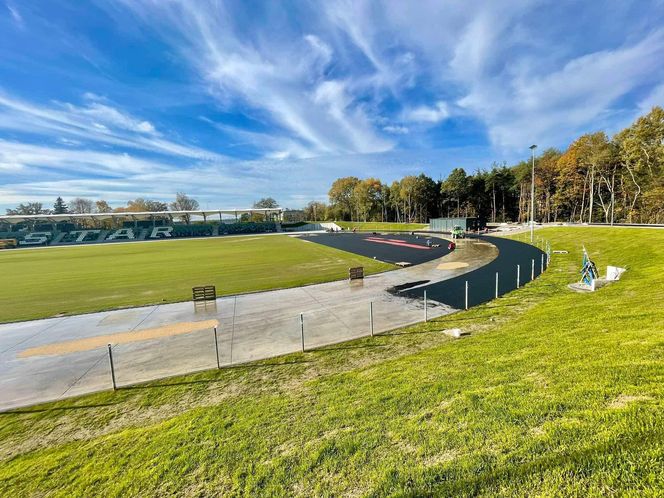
122	233
35	238
83	234
161	232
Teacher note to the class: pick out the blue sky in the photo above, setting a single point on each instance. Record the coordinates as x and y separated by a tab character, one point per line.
233	101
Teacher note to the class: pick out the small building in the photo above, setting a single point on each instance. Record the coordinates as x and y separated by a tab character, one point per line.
447	224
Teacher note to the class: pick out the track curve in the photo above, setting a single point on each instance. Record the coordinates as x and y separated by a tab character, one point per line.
482	281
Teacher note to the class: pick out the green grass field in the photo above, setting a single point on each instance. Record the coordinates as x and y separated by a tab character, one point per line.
349	225
38	283
553	394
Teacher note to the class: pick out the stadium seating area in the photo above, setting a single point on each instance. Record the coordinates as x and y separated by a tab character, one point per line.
248	227
47	236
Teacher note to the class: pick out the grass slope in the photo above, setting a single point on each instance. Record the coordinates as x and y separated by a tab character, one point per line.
38	283
349	225
554	393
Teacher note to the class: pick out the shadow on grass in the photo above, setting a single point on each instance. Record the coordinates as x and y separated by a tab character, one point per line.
408	332
20	411
243	366
168	384
338	347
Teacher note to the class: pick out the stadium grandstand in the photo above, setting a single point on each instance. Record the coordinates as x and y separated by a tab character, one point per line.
69	228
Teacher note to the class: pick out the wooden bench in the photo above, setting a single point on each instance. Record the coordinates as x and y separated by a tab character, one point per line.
204	293
356	273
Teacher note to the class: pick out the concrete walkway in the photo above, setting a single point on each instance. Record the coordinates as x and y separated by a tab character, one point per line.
251	327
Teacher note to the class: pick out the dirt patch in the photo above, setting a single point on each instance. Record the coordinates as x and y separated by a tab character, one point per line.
624	399
452	265
89	343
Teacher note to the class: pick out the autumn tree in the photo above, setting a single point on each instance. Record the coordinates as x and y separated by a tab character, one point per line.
266	203
80	205
184	203
315	211
341	196
101	206
28	208
455	188
141	205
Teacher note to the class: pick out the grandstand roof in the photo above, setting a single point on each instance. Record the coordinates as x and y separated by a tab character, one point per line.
145	215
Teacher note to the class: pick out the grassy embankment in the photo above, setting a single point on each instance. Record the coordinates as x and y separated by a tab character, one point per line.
37	283
553	394
349	225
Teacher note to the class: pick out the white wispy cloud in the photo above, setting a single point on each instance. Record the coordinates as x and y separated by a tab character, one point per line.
95	122
15	13
554	106
396	129
282	77
426	114
76	162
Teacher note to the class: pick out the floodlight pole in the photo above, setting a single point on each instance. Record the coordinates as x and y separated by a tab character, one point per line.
532	197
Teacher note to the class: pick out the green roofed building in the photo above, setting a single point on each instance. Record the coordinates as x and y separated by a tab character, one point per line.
448	224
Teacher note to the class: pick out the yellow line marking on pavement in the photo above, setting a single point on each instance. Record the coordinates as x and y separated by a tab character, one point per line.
77	345
452	265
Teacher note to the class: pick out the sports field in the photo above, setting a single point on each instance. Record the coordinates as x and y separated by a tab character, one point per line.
38	283
553	393
376	225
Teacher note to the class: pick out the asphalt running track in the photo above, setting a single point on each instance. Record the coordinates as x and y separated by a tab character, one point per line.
481	281
390	248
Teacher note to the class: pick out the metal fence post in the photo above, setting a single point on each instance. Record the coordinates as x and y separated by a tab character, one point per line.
426	307
496	285
542	264
371	317
466	294
216	347
110	360
302	329
518	276
532	269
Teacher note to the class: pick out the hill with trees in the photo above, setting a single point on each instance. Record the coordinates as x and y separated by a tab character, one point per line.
596	179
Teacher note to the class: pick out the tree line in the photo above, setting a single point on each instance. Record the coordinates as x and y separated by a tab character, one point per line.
80	205
596	179
182	202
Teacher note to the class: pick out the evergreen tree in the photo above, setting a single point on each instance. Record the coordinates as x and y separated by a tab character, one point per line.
60	207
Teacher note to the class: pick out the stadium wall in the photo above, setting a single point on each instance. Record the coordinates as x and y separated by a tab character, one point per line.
26	238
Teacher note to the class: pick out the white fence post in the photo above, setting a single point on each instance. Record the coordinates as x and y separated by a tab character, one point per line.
216	347
302	329
426	307
518	276
496	285
466	294
371	317
110	360
532	269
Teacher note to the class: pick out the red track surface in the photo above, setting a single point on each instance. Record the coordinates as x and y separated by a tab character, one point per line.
396	242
